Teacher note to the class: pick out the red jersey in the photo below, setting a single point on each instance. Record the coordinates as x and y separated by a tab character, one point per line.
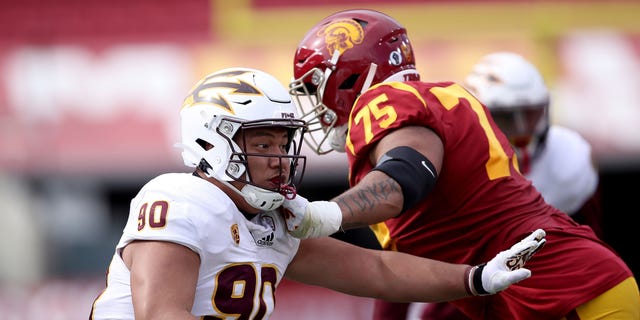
480	204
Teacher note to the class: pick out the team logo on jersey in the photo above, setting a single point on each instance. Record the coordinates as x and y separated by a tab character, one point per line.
342	35
235	233
267	221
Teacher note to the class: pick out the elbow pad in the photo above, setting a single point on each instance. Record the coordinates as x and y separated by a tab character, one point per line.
415	174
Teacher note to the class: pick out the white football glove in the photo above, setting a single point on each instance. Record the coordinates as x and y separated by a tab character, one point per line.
311	219
506	268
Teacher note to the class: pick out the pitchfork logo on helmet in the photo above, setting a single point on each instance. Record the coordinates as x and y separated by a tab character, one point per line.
342	35
214	82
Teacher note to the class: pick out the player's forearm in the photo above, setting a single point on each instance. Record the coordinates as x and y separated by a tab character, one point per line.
375	199
389	275
410	278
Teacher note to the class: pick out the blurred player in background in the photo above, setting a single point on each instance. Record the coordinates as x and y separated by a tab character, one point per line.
434	176
213	244
557	160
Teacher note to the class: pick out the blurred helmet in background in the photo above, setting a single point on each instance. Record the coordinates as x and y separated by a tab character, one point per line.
515	93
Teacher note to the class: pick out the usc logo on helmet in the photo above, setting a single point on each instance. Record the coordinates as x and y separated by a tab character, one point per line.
342	35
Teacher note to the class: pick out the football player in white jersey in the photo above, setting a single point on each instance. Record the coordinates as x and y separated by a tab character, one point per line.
215	244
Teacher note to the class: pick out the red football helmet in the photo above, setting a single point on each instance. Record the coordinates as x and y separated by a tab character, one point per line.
338	59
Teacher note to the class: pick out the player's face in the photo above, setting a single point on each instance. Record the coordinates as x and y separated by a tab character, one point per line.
263	147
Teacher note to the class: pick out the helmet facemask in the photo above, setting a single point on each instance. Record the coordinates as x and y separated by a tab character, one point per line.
307	91
237	167
521	124
239	161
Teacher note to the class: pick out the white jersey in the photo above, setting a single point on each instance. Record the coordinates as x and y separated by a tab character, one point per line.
563	171
241	261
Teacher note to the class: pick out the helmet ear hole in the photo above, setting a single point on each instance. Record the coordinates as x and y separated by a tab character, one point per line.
349	82
205	145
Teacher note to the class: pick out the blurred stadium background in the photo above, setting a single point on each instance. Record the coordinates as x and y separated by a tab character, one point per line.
90	90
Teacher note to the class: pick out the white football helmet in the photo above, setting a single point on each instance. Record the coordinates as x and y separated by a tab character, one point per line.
226	102
515	93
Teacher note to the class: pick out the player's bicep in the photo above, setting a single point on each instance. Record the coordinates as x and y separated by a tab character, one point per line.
405	155
163	277
421	139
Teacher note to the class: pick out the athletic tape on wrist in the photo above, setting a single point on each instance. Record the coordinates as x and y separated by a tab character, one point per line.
467	281
321	219
477	280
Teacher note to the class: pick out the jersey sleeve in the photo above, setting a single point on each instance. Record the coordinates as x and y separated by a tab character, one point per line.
160	213
380	110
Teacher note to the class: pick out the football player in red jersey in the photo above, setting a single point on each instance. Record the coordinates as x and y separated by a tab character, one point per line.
432	175
556	159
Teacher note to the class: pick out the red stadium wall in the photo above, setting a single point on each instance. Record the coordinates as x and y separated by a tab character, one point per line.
105	78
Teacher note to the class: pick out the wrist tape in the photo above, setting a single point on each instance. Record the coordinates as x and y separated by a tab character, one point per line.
473	280
321	219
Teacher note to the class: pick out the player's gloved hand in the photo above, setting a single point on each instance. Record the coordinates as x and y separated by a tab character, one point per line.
311	219
506	268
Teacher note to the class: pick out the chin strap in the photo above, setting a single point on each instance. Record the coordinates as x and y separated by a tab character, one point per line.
260	198
327	74
369	79
256	197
